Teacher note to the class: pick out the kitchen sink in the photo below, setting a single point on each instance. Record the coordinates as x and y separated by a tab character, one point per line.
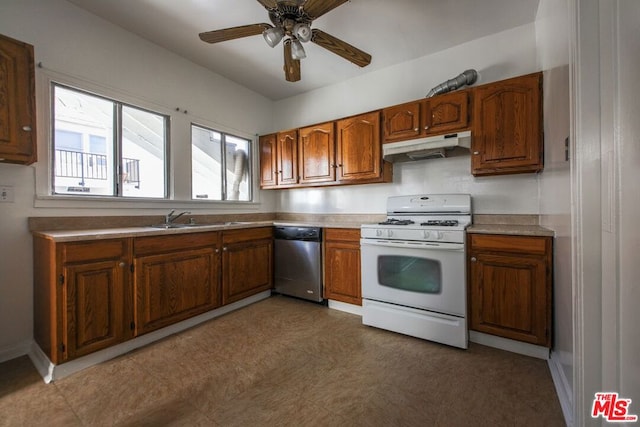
191	225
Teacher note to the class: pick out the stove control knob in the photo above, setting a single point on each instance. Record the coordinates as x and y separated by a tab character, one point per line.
438	235
389	233
378	233
425	234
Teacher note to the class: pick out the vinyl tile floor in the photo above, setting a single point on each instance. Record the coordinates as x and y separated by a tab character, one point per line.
286	362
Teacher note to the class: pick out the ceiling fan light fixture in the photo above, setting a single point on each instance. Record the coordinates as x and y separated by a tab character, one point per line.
273	35
302	32
297	51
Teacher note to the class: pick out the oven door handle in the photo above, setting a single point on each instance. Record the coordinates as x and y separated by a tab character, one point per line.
412	244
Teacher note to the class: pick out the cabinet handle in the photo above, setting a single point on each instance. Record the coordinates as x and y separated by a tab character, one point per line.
122	264
26	128
426	128
340	165
476	153
217	251
224	249
416	129
473	259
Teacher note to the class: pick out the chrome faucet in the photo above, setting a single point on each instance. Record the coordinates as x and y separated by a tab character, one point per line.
170	217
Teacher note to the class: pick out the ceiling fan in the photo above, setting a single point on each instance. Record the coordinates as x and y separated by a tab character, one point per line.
292	19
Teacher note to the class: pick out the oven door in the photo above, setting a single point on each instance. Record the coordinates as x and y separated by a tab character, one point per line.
424	275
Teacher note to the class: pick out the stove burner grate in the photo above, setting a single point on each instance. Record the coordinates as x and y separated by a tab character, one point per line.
441	222
394	221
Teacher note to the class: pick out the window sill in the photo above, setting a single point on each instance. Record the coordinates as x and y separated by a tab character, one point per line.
92	202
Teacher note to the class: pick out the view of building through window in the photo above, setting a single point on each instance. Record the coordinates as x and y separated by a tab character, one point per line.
93	155
221	165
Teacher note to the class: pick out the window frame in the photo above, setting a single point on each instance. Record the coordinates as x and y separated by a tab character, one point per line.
116	152
223	181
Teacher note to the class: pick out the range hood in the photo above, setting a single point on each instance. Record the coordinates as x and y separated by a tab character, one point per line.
425	148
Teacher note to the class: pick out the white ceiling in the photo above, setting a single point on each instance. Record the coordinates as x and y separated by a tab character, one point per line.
391	31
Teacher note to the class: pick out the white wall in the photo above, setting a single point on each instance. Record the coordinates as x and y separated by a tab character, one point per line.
555	184
500	56
81	49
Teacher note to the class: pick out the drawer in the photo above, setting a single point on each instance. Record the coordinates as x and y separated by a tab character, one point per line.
507	243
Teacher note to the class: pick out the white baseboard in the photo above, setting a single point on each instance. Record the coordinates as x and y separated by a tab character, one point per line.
51	372
14	351
563	388
346	307
509	345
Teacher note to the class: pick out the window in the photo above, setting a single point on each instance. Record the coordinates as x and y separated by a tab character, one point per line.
220	165
107	148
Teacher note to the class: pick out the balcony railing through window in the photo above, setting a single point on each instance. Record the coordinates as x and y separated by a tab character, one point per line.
77	164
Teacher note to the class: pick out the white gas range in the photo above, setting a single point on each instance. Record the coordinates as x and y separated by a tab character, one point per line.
414	269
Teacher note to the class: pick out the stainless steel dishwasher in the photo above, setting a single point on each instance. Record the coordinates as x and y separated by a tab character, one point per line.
298	262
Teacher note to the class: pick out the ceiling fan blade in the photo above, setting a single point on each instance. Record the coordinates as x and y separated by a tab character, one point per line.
291	66
268	4
344	49
217	36
317	8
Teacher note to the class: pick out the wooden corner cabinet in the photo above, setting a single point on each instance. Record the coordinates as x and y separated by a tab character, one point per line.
342	265
17	102
510	286
507	127
430	116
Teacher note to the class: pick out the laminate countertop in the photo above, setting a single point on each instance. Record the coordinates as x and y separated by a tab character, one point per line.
125	232
510	229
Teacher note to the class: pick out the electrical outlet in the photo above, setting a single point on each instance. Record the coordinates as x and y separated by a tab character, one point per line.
6	194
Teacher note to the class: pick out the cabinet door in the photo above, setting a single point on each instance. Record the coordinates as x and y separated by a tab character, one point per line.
510	297
402	122
95	276
268	161
17	102
446	113
247	265
176	277
316	153
358	148
95	311
287	151
507	123
342	266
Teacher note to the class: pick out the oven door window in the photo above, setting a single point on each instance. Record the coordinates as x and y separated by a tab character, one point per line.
410	273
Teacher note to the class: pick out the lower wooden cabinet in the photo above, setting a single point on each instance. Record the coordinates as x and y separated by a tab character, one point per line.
81	296
93	294
342	265
176	277
510	286
247	263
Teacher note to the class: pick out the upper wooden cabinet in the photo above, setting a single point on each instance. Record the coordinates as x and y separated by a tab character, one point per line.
279	159
287	157
507	132
316	152
268	161
17	102
510	286
359	151
431	116
346	151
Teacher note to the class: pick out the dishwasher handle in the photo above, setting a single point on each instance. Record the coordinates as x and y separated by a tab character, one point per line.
307	234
